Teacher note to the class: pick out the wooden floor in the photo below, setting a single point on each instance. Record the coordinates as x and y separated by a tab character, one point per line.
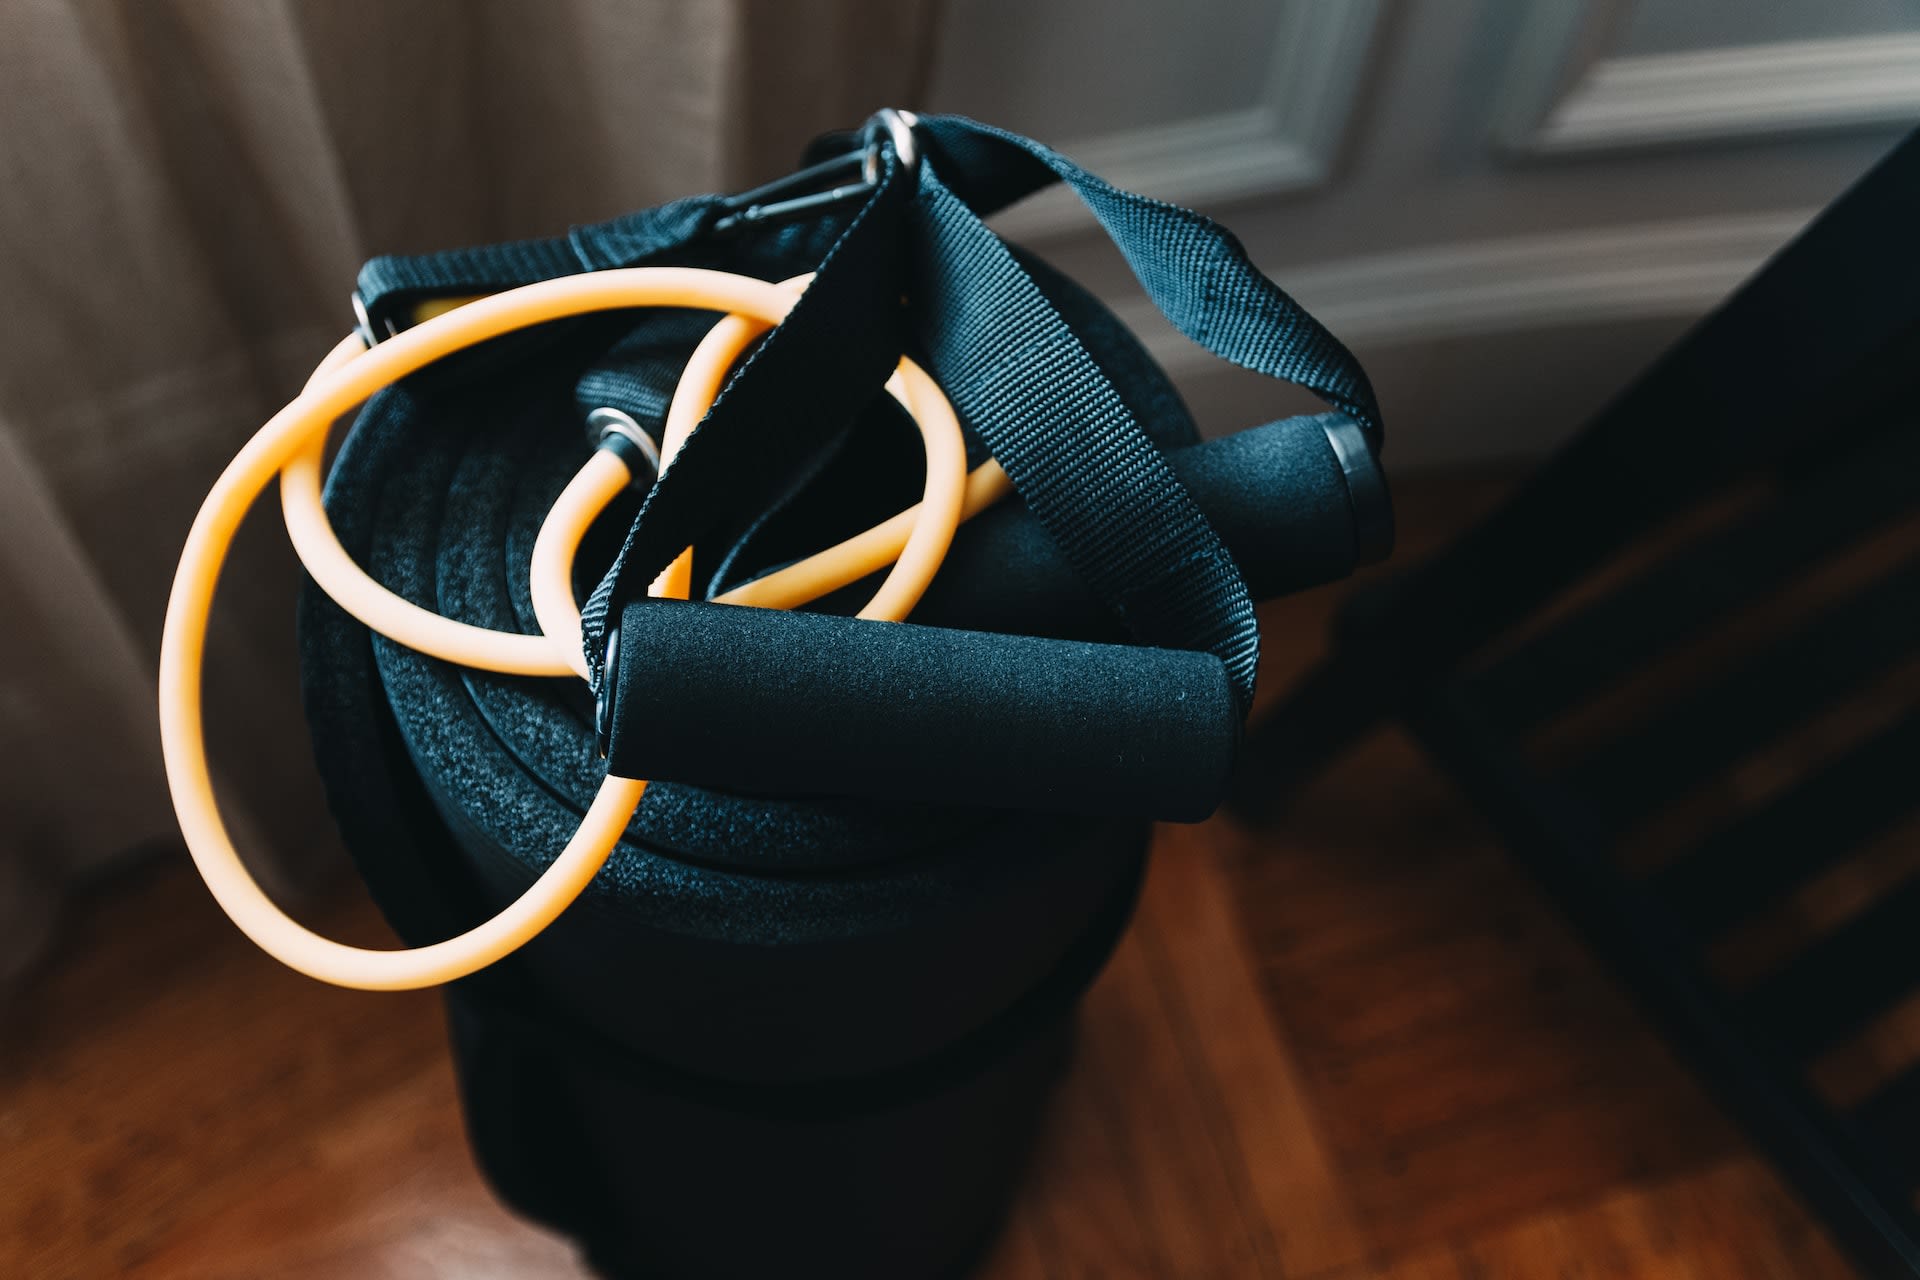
1360	1044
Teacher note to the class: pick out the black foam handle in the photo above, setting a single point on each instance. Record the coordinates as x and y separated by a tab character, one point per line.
758	700
1298	502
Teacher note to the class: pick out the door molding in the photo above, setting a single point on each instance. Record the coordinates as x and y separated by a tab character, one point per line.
1564	95
1678	268
1285	141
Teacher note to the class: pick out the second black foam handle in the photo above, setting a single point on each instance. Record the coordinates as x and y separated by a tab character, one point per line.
1298	502
758	700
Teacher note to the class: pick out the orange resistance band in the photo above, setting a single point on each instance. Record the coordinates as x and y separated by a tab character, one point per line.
293	442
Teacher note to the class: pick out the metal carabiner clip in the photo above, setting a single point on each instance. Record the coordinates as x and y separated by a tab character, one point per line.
774	203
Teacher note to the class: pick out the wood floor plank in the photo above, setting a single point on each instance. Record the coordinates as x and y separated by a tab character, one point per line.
315	1215
1184	1194
211	1063
1291	1194
1470	1062
1730	1221
1084	1210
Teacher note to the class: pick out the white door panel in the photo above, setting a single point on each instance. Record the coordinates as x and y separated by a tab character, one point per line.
1446	183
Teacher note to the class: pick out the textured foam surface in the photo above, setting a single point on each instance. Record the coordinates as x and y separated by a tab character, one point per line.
764	700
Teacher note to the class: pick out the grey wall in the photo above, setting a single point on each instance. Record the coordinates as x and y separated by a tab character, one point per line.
1506	208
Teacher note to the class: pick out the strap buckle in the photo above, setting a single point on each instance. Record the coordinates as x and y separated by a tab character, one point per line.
363	323
776	202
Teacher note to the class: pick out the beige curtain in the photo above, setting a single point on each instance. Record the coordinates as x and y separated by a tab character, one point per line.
186	191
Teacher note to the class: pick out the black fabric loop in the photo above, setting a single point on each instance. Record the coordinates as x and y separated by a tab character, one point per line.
787	401
1195	270
1075	453
390	284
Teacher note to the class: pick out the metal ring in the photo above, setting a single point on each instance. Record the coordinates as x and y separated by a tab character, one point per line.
898	126
608	421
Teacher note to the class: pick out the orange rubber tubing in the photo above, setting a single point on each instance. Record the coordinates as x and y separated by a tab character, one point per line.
332	393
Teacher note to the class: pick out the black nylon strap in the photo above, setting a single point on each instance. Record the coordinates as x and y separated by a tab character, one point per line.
389	286
1075	453
803	384
1195	270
